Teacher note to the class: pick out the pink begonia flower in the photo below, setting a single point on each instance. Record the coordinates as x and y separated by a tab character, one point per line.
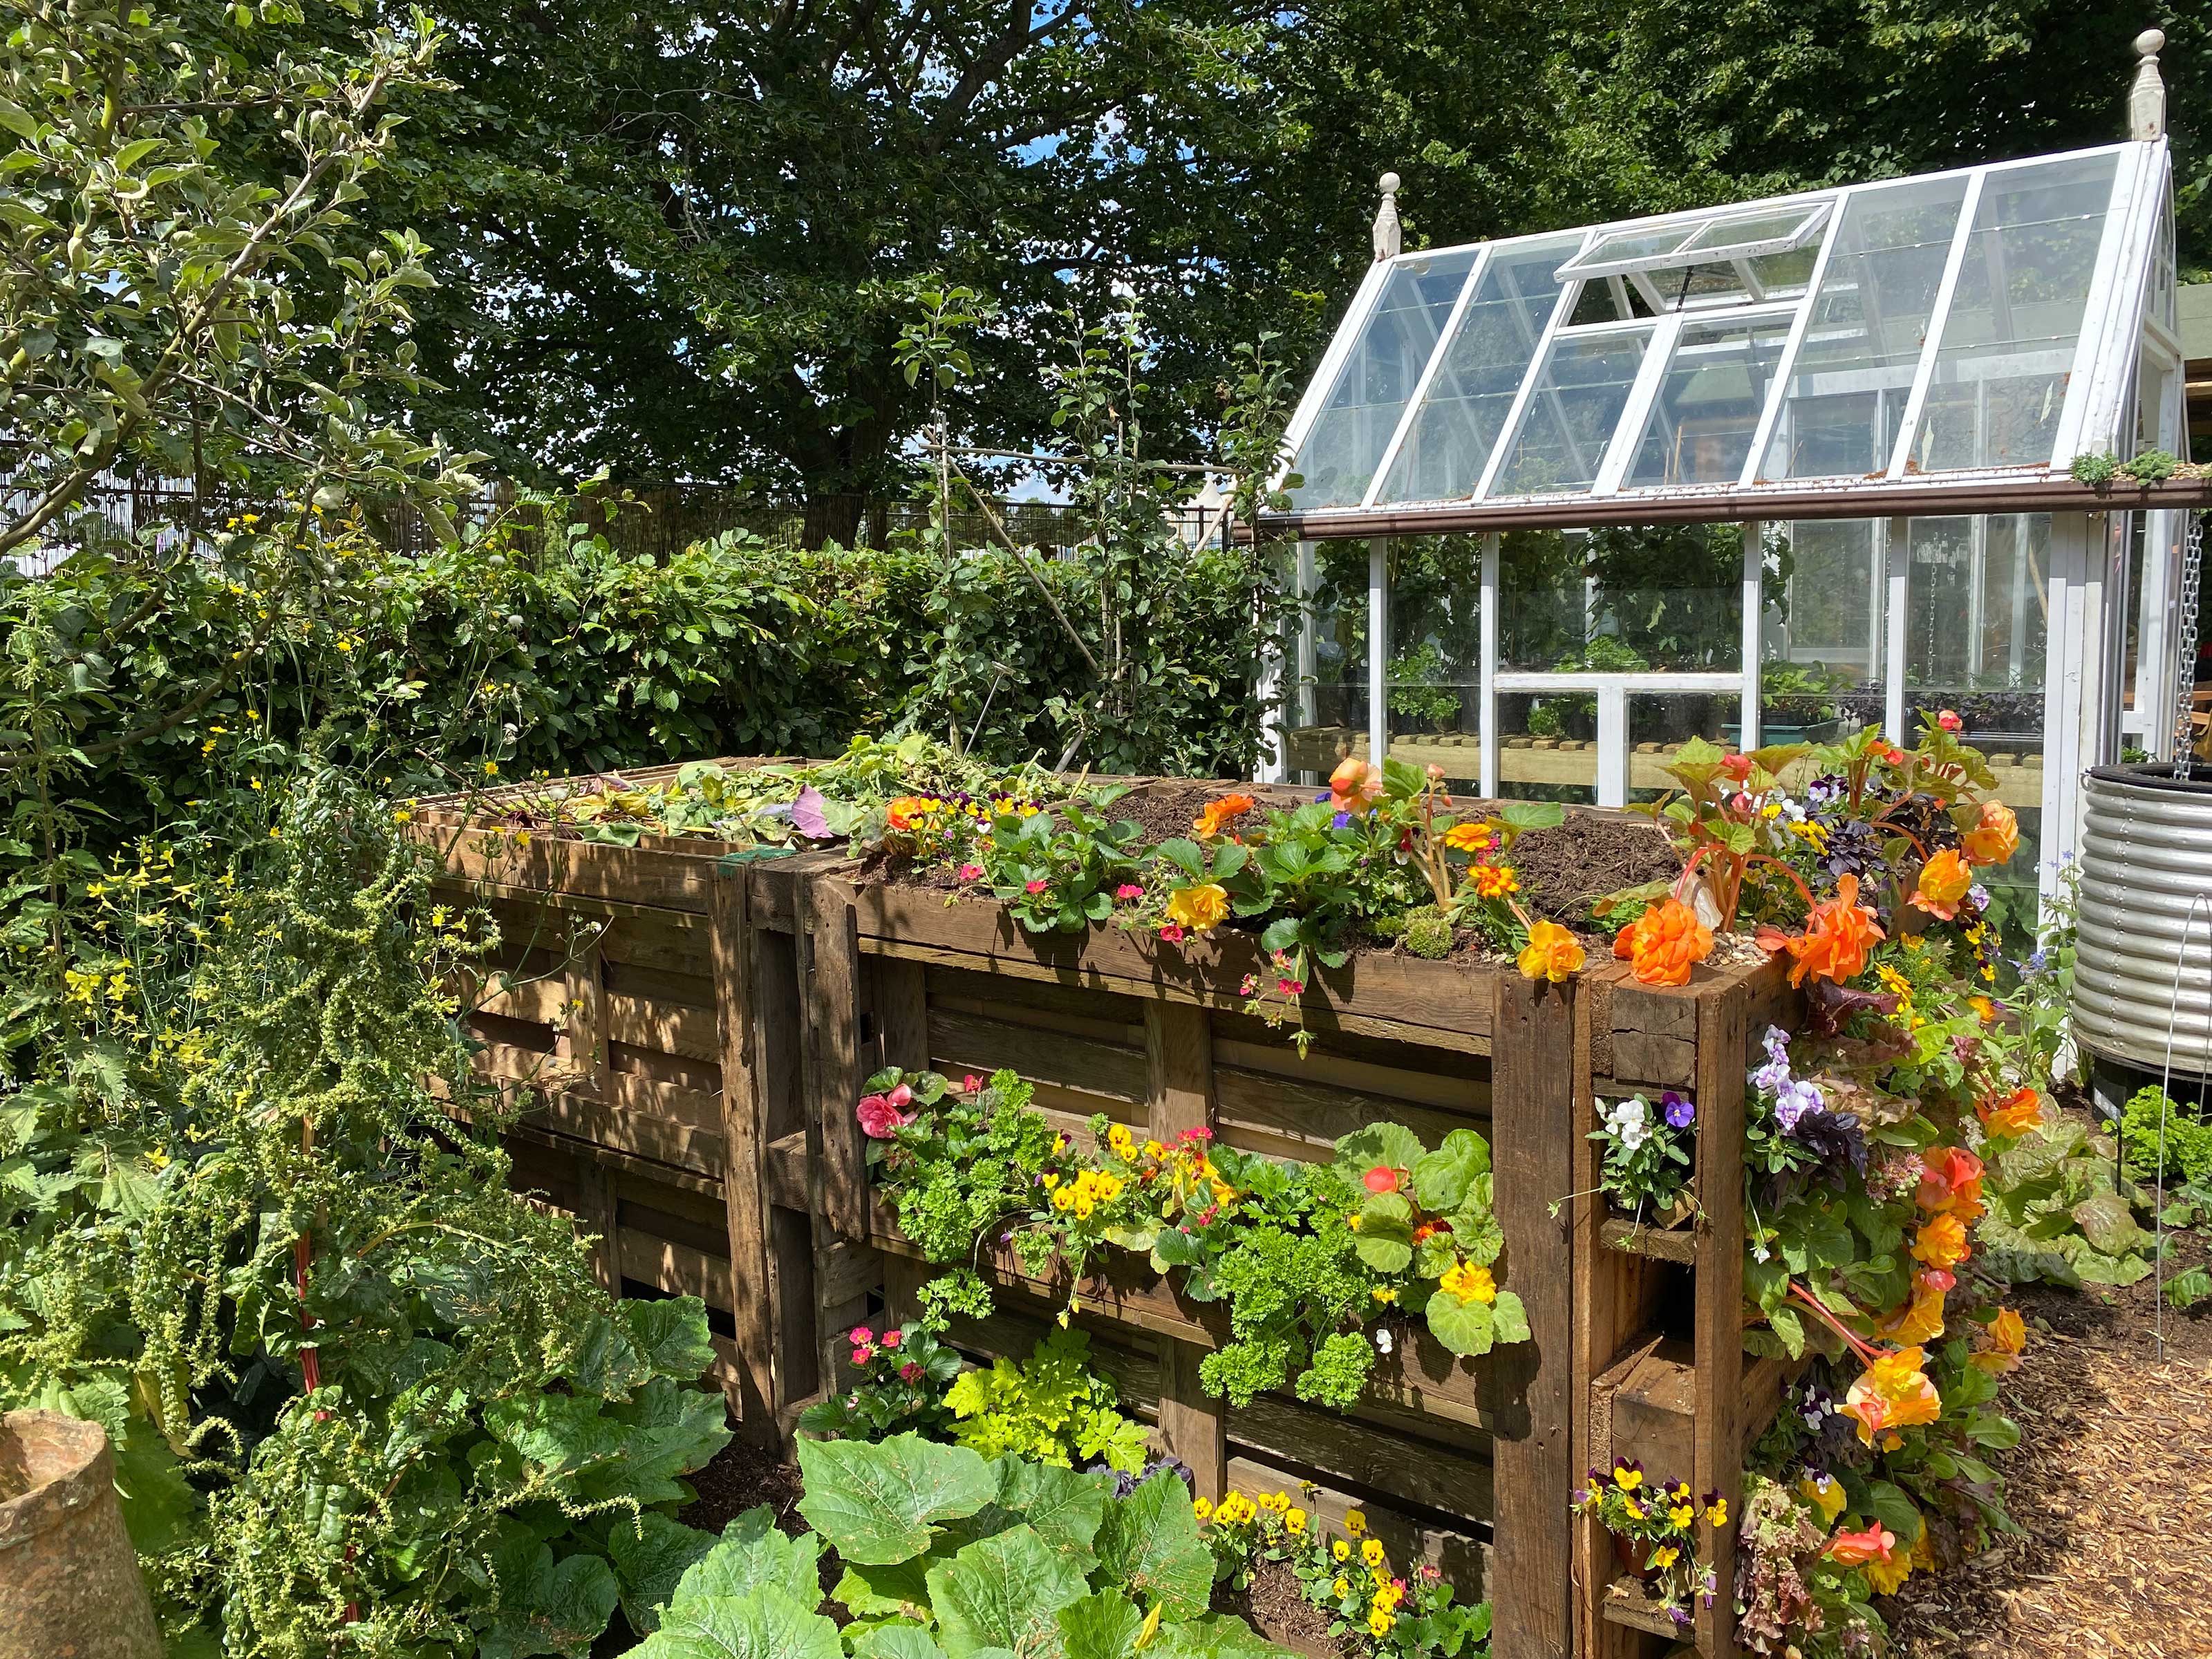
902	1096
879	1118
1382	1179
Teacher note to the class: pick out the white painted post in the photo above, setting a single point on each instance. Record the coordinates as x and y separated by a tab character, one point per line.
1490	741
1378	648
1389	237
1612	745
1274	758
1754	631
2072	718
2147	96
1898	557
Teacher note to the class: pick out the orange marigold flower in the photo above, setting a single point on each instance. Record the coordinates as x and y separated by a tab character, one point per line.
1217	815
2018	1114
1944	880
1893	1393
1942	1242
1495	880
1837	936
1552	953
1470	837
1995	838
1663	943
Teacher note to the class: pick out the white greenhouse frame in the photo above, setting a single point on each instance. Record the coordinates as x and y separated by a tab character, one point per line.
2122	390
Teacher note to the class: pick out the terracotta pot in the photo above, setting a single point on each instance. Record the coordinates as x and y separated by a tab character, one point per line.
1630	1555
68	1578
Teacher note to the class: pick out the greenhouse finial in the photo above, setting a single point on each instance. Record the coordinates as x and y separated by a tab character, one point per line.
2147	97
1387	239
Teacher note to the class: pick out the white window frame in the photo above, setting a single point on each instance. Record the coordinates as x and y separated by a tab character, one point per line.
1586	266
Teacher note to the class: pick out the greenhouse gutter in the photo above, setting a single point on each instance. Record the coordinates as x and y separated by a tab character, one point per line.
1855	500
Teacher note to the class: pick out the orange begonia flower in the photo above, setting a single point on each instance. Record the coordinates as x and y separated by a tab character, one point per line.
1355	785
1217	815
1837	936
1663	943
1892	1393
1920	1320
1942	1242
906	812
1950	1181
1855	1549
1553	953
2018	1114
1995	838
2006	1334
1944	880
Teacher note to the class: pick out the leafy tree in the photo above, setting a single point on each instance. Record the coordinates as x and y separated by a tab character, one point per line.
175	173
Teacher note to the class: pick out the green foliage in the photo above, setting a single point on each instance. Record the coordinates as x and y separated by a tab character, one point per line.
2164	1142
245	1236
1051	1408
949	1554
2059	1211
1427	931
897	1383
189	296
1056	872
1431	706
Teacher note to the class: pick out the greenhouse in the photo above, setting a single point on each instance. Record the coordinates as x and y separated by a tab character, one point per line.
1769	472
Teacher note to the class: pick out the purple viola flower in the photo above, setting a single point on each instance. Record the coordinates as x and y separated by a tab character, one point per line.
1793	1100
1340	820
1978	896
1681	1112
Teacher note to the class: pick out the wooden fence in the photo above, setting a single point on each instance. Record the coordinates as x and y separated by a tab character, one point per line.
690	1036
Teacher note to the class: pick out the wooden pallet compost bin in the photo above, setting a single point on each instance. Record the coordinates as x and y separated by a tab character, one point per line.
698	1029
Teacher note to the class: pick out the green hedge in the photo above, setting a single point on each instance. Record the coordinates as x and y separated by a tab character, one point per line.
551	653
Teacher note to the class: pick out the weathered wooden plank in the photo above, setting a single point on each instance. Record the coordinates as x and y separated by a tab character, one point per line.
1462	1557
1449	1091
898	996
595	1214
1179	1079
1103	1017
1718	1319
676	1268
678	990
1534	1144
1675	1244
699	1077
1654	1062
784	1171
636	875
1345	1451
745	1210
644	1022
1313	1116
1078	1065
583	1029
831	969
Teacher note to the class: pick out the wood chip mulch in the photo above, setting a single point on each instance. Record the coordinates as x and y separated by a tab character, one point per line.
2112	1480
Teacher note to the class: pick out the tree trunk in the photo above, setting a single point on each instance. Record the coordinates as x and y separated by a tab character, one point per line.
833	516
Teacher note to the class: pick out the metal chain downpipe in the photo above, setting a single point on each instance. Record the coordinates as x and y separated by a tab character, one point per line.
2192	567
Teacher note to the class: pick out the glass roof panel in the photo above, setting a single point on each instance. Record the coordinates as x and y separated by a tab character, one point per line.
1706	415
1340	453
1699	239
1846	396
1785	225
2015	317
1572	409
1465	405
1623	248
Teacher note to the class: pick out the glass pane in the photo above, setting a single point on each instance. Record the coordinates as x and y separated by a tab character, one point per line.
1707	411
1823	675
1340	455
1450	440
1772	226
1635	244
1579	394
1659	722
1547	747
1327	717
1975	630
1632	599
1846	396
1435	655
2008	348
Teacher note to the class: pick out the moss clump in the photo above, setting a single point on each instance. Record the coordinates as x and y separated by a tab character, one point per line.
1427	931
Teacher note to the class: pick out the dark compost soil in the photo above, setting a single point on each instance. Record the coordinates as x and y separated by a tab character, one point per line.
1589	855
1272	1606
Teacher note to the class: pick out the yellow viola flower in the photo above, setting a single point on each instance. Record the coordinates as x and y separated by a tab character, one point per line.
1294	1521
1355	1522
1339	1589
1341	1550
1371	1551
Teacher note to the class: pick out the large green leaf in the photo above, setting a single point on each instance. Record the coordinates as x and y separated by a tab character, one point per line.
1151	1546
2108	1223
886	1589
157	1500
1002	1593
1385	1238
651	1555
545	1606
1390	1144
1065	1507
884	1502
1466	1327
1216	1636
1441	1178
670	1333
895	1640
1510	1318
765	1624
601	1452
1102	1627
753	1554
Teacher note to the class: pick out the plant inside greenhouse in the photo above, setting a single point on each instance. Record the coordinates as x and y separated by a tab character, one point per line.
889	842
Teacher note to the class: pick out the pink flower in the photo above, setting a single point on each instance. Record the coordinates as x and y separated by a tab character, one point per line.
970	1083
1035	886
971	873
1735	768
892	1338
1292	987
909	1372
862	1355
902	1096
879	1118
1381	1179
1129	889
859	1336
1172	933
1949	720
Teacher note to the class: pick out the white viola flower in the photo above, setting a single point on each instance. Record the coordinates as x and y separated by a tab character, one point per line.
1630	1121
1383	1341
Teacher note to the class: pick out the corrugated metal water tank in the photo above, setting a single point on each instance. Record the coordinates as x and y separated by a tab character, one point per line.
2146	919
